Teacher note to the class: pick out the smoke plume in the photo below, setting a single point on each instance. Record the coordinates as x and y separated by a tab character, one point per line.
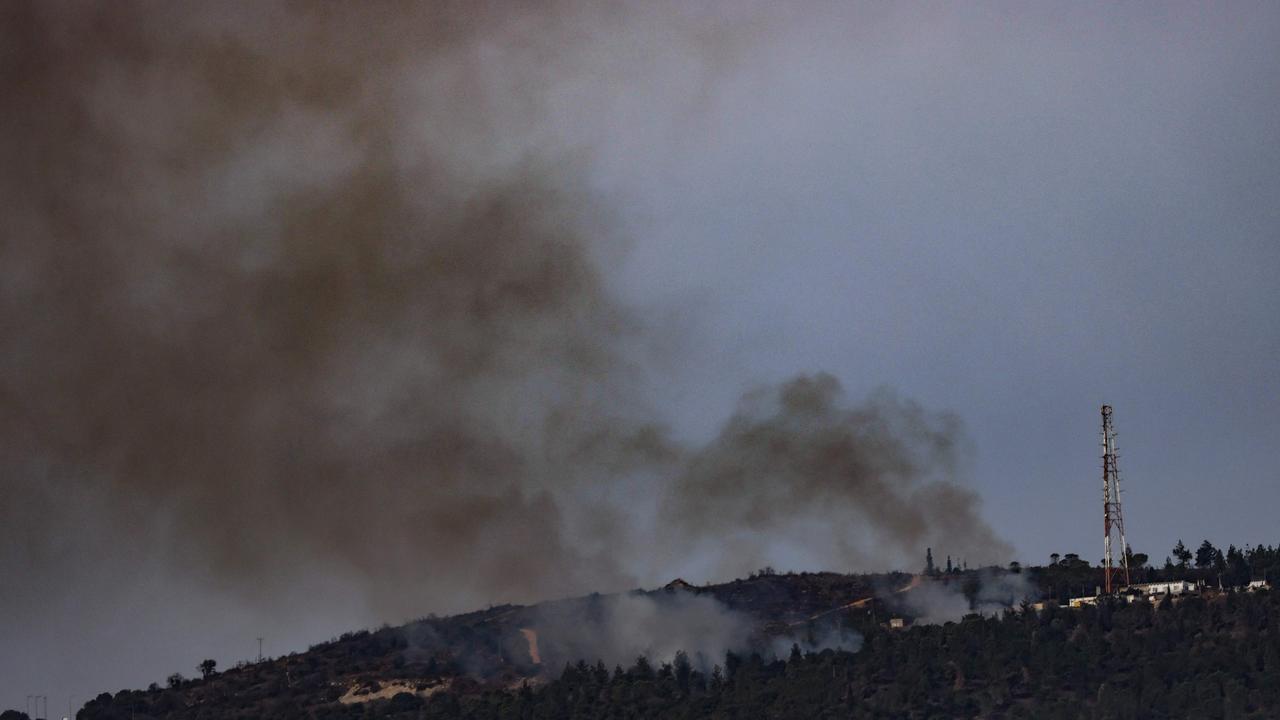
992	591
864	486
238	296
619	628
306	303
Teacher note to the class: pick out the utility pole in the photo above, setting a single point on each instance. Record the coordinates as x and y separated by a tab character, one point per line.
1112	518
33	706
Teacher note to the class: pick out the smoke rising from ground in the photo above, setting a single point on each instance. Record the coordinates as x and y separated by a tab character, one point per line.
862	486
303	302
993	591
619	628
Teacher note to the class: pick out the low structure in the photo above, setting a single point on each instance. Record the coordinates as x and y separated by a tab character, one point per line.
1156	589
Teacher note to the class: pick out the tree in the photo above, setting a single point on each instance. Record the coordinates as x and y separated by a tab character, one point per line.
949	569
683	669
206	668
642	669
1072	561
970	588
732	661
1238	571
1206	554
1053	558
404	702
929	568
1181	554
175	680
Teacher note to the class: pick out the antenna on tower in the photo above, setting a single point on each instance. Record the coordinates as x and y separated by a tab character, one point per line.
1112	518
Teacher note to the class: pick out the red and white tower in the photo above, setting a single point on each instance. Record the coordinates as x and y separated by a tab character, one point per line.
1112	519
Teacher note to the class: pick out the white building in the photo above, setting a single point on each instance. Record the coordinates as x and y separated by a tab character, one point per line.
1156	589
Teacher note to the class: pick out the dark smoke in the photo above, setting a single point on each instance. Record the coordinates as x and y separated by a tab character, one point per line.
855	486
228	301
304	295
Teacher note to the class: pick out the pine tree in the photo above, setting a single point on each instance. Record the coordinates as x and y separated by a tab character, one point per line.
683	669
1206	554
1181	554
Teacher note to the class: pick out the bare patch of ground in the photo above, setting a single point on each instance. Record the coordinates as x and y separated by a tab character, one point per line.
385	690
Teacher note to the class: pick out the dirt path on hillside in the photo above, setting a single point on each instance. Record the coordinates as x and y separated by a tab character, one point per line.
915	583
531	636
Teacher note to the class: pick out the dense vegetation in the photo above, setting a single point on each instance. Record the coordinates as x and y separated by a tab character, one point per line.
1216	657
1212	655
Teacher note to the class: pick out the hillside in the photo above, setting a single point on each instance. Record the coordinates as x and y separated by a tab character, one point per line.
784	645
496	648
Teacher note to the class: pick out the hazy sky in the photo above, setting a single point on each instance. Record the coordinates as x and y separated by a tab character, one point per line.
504	275
1018	214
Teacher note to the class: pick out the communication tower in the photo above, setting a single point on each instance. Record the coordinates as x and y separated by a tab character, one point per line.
1112	518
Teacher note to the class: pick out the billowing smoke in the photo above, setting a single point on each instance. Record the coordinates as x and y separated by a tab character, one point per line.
798	466
831	635
311	302
286	288
986	592
619	628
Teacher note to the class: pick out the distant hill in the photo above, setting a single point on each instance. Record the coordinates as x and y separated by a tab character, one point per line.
798	645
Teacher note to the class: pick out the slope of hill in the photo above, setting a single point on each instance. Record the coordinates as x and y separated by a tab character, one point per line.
778	645
504	647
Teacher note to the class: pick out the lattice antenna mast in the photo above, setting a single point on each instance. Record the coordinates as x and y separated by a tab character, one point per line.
1112	517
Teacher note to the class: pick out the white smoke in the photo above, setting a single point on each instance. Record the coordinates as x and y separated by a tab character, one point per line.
941	601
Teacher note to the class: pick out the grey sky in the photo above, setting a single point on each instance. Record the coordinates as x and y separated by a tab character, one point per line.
1010	212
1017	214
